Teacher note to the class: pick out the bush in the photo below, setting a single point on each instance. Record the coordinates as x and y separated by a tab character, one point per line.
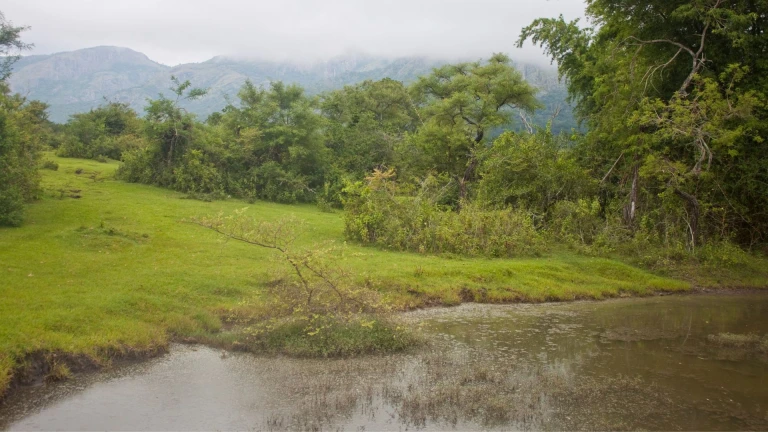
137	167
375	215
101	148
19	156
723	254
327	336
532	171
106	132
11	207
50	165
196	175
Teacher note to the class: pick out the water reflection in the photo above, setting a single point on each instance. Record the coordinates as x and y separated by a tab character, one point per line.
624	364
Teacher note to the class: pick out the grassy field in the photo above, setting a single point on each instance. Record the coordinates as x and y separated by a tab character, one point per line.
106	266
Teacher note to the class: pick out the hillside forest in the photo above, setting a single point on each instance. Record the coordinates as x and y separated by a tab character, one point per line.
669	163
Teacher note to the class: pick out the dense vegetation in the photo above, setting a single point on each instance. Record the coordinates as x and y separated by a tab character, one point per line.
24	129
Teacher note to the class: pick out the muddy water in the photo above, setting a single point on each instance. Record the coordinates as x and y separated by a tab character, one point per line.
655	363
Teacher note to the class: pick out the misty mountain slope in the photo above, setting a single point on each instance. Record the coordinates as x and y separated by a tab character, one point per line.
77	81
81	78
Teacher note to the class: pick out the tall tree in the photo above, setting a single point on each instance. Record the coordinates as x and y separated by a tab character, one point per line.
458	105
365	122
671	92
19	145
277	133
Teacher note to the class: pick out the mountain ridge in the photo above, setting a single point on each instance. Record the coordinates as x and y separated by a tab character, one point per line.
79	80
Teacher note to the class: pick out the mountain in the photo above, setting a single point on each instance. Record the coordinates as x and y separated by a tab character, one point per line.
76	81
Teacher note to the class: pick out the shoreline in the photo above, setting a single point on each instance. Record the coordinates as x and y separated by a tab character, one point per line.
41	367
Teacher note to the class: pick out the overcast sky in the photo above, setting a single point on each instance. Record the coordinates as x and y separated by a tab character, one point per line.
183	31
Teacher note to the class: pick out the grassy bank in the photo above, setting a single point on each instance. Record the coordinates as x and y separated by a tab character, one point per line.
103	266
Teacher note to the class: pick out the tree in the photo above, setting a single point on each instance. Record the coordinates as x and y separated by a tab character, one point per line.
10	46
276	134
19	145
531	171
170	131
365	122
103	131
458	105
671	93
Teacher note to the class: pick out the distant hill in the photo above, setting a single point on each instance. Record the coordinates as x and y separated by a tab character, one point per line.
77	81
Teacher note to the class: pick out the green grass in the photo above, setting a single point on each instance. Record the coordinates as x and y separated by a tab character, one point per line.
334	338
105	266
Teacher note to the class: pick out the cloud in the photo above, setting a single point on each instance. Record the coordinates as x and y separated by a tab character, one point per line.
181	31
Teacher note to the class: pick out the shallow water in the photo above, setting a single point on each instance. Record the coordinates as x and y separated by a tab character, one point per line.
619	364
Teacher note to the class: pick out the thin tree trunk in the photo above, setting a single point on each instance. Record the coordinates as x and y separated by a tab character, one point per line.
630	209
693	218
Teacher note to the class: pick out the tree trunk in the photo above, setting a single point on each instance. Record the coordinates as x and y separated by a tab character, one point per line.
630	209
469	175
693	217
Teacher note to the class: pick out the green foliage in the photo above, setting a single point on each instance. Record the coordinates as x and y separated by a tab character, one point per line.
365	123
168	133
106	131
268	148
23	130
20	143
577	223
672	94
533	171
10	46
459	104
325	336
50	165
723	254
374	214
278	133
196	175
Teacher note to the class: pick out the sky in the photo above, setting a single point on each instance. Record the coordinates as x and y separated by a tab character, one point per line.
186	31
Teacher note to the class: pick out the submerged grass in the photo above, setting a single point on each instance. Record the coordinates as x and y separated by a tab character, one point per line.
334	338
744	341
102	267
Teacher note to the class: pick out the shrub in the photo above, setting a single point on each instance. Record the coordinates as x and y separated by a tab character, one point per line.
19	153
722	254
11	207
327	336
50	165
533	171
137	167
576	222
196	175
376	215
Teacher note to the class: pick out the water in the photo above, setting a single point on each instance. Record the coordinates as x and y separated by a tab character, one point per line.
653	363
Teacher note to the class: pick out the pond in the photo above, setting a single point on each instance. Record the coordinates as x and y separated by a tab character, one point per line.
696	362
